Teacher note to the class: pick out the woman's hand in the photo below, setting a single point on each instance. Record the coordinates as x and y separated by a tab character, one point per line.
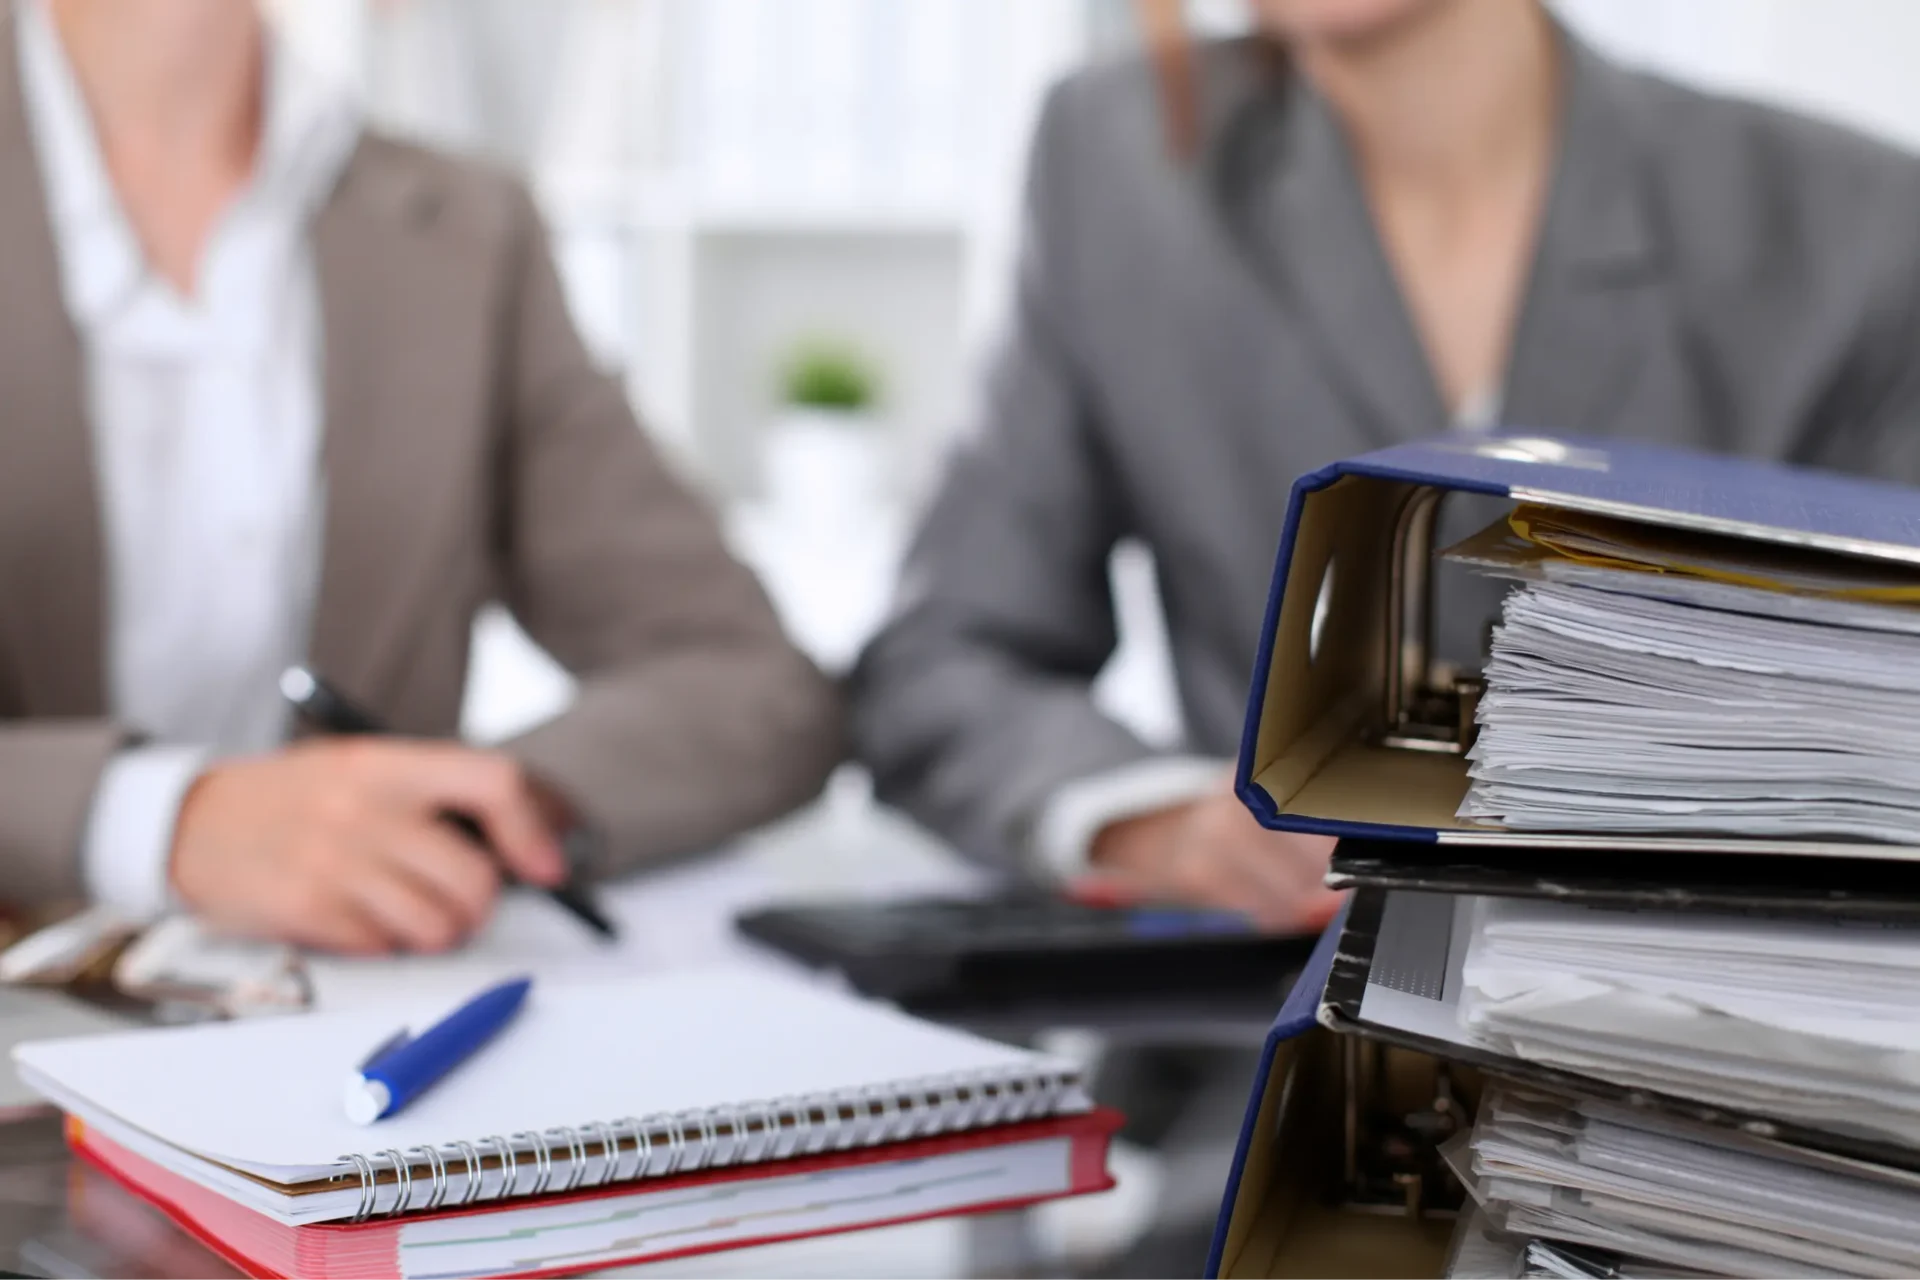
1210	852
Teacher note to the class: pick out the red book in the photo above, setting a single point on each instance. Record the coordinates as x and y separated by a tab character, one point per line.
997	1168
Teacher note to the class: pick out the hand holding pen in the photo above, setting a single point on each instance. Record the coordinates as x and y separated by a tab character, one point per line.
328	709
343	844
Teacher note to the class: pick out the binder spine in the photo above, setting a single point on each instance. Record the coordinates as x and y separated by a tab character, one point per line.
634	1148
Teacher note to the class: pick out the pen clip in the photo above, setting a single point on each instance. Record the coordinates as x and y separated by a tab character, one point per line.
384	1048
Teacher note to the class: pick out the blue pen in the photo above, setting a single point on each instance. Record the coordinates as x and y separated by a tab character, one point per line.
406	1066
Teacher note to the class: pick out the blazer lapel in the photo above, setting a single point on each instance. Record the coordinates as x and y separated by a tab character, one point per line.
52	571
1296	204
390	301
1286	178
1590	305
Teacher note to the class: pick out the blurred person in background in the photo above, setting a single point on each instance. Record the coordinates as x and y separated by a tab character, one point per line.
1370	221
274	389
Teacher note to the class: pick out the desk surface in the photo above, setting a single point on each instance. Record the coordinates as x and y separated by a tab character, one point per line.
59	1217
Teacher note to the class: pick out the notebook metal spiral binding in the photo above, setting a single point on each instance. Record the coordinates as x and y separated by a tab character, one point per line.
645	1136
364	1167
509	1164
542	1161
946	1100
762	1116
751	1133
642	1147
576	1157
676	1148
988	1102
402	1176
684	1142
710	1154
802	1126
471	1191
731	1119
438	1168
992	1102
1018	1103
609	1148
709	1140
889	1111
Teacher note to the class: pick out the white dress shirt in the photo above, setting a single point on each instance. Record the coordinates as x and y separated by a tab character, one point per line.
206	420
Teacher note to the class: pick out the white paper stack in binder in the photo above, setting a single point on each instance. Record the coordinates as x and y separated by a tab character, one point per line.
1683	1092
1571	1170
1484	1248
1644	682
1814	1020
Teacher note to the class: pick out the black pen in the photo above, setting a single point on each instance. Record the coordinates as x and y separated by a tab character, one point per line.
326	708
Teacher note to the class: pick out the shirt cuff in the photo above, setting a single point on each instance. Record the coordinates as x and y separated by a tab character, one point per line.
1064	833
129	839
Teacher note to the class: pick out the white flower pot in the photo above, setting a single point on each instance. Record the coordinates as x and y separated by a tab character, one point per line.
825	466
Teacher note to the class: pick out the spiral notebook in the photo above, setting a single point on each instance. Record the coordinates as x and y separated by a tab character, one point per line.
592	1085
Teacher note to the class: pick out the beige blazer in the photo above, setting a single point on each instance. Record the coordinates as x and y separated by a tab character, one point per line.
473	452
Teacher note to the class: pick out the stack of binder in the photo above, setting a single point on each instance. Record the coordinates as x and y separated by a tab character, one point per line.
1627	985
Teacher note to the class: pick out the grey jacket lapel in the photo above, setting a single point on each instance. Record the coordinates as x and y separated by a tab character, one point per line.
1294	200
1591	300
1285	178
52	570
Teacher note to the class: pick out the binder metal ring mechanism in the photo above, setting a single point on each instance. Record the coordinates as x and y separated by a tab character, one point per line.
1340	1168
1426	705
563	1158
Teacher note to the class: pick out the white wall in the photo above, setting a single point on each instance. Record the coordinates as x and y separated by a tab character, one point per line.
893	294
1852	60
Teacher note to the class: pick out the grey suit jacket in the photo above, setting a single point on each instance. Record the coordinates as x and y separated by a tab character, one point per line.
472	452
1187	339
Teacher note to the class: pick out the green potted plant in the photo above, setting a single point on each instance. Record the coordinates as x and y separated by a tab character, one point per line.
826	454
830	375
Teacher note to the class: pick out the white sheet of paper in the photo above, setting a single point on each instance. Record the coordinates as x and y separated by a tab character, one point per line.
1691	1183
1612	709
674	918
1813	1020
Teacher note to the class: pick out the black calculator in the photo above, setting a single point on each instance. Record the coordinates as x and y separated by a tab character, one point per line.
939	953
